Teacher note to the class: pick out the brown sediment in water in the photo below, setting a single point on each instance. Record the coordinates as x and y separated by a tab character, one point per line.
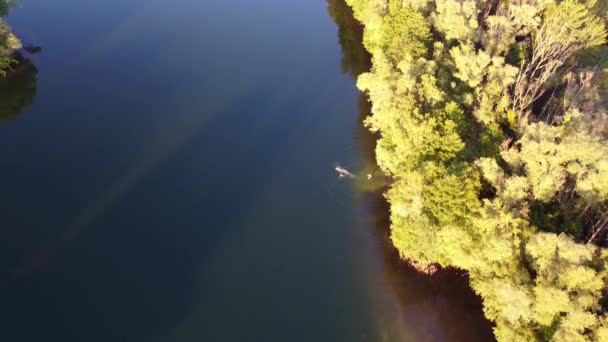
430	290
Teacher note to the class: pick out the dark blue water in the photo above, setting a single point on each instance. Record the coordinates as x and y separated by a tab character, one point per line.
167	175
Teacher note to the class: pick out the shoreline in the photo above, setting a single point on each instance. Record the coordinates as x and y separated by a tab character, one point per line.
412	285
447	103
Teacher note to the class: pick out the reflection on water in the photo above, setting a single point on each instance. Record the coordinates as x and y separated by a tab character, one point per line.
355	59
408	305
17	89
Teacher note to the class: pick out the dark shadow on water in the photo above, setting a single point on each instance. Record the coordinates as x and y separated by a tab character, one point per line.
17	88
355	59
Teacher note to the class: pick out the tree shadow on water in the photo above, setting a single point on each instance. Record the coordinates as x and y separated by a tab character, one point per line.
17	88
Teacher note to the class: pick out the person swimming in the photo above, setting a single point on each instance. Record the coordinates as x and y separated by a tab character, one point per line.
343	172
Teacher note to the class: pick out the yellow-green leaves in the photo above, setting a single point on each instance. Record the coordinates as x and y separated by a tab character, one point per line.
452	86
569	23
564	264
470	64
568	287
404	32
549	303
551	154
456	19
8	41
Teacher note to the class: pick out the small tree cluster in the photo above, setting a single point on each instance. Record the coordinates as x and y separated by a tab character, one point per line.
8	41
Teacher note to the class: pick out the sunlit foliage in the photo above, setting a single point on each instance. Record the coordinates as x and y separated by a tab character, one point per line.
492	125
8	41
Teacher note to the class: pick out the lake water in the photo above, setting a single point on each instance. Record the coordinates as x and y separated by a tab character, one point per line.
167	175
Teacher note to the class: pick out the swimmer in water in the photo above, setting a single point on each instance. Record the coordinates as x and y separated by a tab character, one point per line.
342	172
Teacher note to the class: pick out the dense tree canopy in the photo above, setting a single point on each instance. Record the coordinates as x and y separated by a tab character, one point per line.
8	41
492	125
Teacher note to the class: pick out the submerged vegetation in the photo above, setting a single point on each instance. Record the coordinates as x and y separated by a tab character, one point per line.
492	125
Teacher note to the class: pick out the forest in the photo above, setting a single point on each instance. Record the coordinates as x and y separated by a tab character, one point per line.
492	126
8	41
18	75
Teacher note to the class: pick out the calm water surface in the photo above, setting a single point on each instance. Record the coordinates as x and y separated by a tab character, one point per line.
167	176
